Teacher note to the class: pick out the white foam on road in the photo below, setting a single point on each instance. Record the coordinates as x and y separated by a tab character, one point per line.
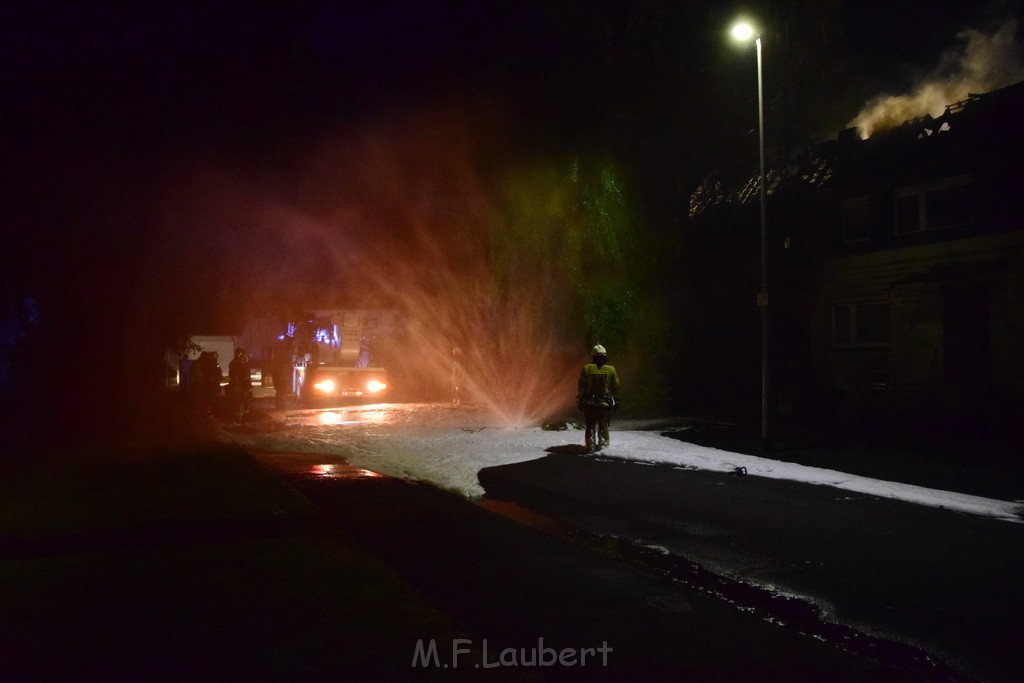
447	447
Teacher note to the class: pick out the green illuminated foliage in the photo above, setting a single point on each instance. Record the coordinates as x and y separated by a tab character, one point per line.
571	231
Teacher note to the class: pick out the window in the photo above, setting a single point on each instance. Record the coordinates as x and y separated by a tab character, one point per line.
855	217
949	206
860	325
934	205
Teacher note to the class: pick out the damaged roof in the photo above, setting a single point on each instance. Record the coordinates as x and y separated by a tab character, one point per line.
815	166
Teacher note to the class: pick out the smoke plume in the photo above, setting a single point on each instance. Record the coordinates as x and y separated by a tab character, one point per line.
981	63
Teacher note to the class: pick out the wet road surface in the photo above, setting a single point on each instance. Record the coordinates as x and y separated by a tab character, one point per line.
944	581
513	577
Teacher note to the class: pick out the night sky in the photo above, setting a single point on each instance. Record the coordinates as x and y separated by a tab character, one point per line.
240	79
121	117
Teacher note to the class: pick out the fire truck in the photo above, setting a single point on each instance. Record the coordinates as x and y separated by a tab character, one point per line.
341	354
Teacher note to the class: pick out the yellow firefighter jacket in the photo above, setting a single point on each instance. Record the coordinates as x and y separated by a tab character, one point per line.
598	385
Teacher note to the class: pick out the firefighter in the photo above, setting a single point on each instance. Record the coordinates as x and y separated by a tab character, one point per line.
240	383
281	372
204	382
597	396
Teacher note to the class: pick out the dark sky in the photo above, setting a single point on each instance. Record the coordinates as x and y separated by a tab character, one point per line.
103	101
255	66
244	76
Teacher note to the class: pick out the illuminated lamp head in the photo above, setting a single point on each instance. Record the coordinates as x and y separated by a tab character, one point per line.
375	386
743	31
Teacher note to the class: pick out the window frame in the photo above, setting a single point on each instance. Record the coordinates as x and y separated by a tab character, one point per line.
851	324
860	206
921	191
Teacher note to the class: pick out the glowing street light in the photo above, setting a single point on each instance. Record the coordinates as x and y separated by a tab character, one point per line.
744	31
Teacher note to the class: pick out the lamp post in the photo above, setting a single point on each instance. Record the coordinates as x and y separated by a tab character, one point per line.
743	31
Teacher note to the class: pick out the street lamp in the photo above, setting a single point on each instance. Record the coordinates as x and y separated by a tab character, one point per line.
744	31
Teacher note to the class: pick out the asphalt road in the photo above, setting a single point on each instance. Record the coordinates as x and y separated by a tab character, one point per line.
534	583
946	582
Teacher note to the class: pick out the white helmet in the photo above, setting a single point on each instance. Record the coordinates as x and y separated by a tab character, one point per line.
598	350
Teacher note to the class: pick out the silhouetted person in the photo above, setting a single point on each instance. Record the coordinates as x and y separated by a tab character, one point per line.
281	373
184	372
597	396
204	381
239	383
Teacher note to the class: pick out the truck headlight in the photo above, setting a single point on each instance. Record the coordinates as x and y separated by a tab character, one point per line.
374	386
325	386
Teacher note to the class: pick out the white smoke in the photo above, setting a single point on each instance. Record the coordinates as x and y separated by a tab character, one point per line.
982	63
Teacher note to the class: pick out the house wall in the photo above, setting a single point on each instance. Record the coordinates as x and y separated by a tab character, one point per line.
918	283
1009	328
951	272
916	357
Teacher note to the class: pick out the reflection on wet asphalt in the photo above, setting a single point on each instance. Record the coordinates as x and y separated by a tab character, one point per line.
312	465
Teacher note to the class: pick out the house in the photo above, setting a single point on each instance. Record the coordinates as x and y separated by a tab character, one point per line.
896	265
